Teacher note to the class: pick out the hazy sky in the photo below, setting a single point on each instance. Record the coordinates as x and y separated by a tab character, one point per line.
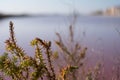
54	6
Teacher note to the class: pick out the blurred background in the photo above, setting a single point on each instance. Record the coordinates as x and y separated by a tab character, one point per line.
96	26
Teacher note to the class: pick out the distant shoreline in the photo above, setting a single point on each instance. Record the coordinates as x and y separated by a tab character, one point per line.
2	16
50	15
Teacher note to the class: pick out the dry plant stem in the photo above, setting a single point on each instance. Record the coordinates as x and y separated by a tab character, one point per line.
48	74
50	64
72	52
12	35
18	50
47	47
61	45
39	56
71	33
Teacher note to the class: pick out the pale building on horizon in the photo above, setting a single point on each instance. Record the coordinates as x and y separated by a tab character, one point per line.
113	11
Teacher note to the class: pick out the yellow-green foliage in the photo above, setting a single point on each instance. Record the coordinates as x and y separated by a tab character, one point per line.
15	64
